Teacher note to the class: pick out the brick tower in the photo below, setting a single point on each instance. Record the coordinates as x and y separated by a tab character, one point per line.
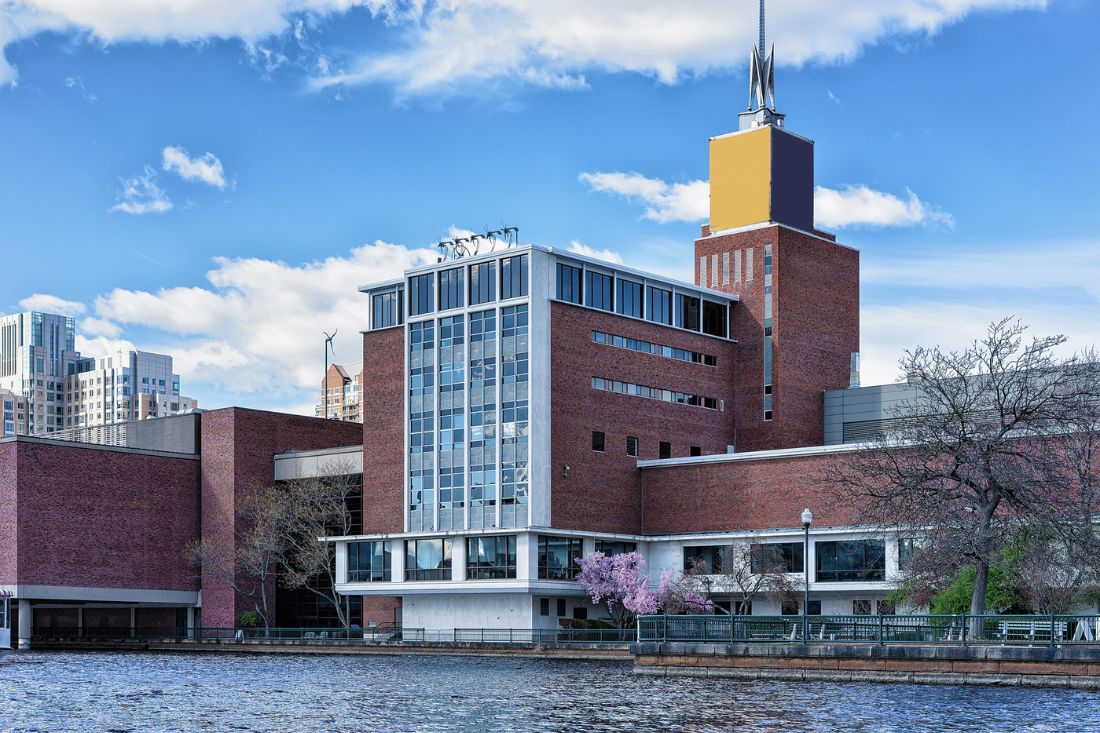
798	320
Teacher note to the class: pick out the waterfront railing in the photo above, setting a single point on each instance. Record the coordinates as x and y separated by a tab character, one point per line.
960	629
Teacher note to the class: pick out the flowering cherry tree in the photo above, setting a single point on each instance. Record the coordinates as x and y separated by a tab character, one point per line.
621	585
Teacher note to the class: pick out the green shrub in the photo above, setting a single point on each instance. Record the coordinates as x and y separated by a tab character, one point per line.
249	620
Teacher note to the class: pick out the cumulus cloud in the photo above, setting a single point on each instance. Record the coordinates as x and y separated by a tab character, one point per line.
51	304
665	202
606	255
860	206
255	326
854	206
99	327
204	168
441	46
142	195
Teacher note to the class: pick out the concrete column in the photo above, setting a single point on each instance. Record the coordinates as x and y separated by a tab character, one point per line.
80	621
397	561
190	622
458	558
26	623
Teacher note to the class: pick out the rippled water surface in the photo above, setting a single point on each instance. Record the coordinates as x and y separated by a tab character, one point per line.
215	692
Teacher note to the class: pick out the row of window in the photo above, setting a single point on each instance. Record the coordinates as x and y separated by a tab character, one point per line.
654	393
487	558
836	562
617	294
633	446
455	287
647	347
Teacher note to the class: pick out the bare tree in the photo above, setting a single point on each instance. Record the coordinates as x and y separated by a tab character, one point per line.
249	564
744	576
1046	575
314	508
978	450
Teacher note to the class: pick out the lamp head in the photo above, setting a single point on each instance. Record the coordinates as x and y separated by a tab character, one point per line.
807	516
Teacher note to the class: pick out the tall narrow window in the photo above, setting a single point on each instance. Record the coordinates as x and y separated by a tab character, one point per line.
715	318
659	305
569	283
452	422
598	290
421	294
597	441
513	277
665	449
451	288
629	298
768	334
632	446
687	312
515	418
421	430
483	419
483	283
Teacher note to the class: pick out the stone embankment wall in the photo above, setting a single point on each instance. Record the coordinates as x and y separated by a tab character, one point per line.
1038	666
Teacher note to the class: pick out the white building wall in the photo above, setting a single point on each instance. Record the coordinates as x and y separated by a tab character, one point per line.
468	611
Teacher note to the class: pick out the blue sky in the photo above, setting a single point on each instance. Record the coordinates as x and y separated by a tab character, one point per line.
215	182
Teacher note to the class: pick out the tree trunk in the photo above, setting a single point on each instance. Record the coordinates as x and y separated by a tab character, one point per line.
977	601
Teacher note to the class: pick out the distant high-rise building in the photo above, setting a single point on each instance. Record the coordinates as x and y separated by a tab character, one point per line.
344	385
52	387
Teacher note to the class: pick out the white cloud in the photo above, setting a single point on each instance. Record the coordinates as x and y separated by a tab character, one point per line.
99	327
142	195
599	254
205	168
51	304
255	328
855	206
860	206
450	44
665	202
469	44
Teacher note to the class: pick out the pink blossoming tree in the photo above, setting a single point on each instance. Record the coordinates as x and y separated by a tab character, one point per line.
621	585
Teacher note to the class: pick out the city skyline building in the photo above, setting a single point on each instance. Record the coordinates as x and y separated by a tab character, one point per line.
344	385
56	388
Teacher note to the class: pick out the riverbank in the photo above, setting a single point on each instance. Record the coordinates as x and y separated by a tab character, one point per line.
1015	666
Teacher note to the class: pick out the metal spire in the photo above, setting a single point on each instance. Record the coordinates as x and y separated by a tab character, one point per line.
761	47
761	83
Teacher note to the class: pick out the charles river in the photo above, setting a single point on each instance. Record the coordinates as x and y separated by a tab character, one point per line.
58	692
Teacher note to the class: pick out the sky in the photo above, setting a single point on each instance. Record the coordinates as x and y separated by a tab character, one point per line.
214	180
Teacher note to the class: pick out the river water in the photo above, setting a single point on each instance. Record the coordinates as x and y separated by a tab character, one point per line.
57	692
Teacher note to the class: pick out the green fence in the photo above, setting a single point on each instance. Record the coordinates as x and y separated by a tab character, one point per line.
962	629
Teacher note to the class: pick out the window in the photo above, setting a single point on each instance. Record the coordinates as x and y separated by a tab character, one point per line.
368	562
861	607
664	449
695	451
908	547
813	608
515	418
421	428
483	283
629	298
852	560
715	318
561	607
580	613
687	312
632	446
558	558
544	607
569	283
598	290
773	557
790	607
513	277
386	312
708	558
483	419
597	441
659	305
654	393
610	548
421	294
490	558
428	559
885	607
648	347
451	288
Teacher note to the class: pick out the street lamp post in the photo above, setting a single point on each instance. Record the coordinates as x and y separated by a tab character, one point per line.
807	517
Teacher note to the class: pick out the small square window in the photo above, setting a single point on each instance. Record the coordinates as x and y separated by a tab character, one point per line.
767	414
561	607
814	608
696	450
544	606
790	608
632	446
597	441
861	608
665	449
580	613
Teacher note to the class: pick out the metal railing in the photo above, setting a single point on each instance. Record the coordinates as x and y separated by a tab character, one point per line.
380	634
961	629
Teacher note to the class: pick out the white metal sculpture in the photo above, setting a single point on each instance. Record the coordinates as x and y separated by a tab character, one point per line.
761	72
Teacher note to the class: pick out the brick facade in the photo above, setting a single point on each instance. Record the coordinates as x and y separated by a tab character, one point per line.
238	450
92	517
383	430
601	492
815	290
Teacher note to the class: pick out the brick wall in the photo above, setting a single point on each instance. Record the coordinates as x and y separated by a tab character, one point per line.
742	495
815	330
238	449
9	548
601	491
383	431
379	609
89	517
